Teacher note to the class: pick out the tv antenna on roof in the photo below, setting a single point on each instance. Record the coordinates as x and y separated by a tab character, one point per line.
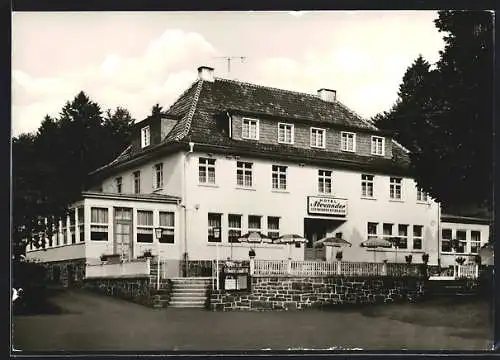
229	58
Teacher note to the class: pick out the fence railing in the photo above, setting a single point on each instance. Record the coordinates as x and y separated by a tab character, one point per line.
128	268
399	269
362	269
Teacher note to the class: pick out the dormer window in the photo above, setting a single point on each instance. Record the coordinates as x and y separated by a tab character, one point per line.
348	141
285	133
145	136
250	129
318	137
378	145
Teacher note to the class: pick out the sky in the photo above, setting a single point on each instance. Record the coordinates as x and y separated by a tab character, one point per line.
137	59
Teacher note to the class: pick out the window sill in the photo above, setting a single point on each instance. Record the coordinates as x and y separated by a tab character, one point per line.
423	202
380	155
397	200
368	198
285	143
208	185
249	138
457	254
245	188
318	147
349	151
280	191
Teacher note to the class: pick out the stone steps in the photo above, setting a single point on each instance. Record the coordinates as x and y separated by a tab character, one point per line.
189	292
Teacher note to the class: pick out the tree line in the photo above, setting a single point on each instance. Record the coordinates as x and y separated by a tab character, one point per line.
444	113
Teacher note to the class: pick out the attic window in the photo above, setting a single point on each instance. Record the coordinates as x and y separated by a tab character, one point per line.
145	136
250	129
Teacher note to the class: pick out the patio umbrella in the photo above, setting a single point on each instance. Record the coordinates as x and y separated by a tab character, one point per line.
255	237
290	239
333	241
374	243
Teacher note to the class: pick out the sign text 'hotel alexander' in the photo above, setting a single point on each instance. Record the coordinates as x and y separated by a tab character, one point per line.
317	205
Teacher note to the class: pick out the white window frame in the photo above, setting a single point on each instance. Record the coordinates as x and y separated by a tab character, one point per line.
167	230
145	136
233	228
387	236
476	243
136	181
208	165
366	181
245	169
248	122
402	236
259	229
314	138
210	232
149	229
279	172
416	237
158	176
284	129
104	226
273	233
371	235
375	145
347	135
81	223
422	196
119	184
395	183
449	240
461	242
72	225
323	177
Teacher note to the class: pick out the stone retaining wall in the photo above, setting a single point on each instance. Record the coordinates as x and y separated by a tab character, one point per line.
69	273
290	293
135	289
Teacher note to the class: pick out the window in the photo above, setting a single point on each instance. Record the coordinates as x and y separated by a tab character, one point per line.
285	133
158	176
244	174
167	223
367	185
52	230
273	227
144	226
421	195
250	129
403	236
72	225
317	137
387	231
462	241
145	136
254	223
347	141
395	188
234	228
475	241
279	177
58	232
81	223
446	240
214	221
137	182
99	224
64	229
372	230
206	170
325	181
417	237
118	184
378	145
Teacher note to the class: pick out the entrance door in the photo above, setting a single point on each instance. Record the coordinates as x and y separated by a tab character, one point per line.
123	243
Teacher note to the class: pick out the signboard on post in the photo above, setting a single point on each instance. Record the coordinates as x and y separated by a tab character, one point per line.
236	276
329	206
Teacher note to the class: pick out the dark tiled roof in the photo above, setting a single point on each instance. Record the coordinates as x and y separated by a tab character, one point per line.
199	105
138	197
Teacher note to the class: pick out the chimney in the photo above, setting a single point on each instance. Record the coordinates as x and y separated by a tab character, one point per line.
327	95
206	73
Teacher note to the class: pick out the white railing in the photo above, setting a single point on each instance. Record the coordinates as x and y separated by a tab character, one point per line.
124	269
270	267
361	269
315	268
467	271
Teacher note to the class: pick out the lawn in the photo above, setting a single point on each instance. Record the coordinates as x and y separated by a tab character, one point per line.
91	322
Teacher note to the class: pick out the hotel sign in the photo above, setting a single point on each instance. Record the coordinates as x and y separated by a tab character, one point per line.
317	205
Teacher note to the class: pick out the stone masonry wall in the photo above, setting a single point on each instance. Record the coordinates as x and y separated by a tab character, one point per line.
69	273
290	293
136	289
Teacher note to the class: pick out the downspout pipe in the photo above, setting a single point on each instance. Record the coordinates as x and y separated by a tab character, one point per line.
184	198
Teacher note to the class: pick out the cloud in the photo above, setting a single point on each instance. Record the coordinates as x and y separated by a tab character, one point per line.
165	68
